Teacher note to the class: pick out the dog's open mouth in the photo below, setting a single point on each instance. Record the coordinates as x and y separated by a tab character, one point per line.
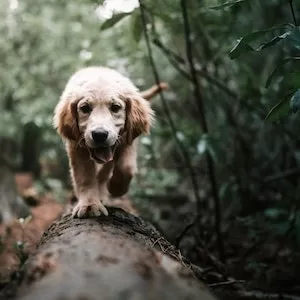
103	154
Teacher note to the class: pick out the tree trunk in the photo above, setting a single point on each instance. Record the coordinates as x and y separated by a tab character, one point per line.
11	204
31	149
115	257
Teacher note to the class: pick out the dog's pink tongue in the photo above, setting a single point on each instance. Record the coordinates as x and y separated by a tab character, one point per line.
105	154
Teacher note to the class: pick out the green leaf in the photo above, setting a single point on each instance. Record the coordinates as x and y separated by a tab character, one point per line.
226	4
243	46
275	213
282	227
293	79
295	101
207	145
223	189
279	111
294	38
239	48
113	20
274	41
136	26
279	69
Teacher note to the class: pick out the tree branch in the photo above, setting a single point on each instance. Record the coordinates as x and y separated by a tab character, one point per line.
281	175
200	103
293	12
173	58
176	61
184	152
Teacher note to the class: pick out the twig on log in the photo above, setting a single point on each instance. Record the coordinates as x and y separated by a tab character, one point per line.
224	283
183	232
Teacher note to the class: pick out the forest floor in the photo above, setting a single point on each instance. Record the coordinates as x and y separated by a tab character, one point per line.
260	251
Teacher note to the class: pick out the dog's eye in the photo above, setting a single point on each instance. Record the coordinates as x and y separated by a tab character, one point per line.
85	108
115	107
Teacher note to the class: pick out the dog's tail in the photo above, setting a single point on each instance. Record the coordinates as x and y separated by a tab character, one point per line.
154	90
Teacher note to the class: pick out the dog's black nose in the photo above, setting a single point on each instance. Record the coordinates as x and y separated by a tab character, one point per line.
99	136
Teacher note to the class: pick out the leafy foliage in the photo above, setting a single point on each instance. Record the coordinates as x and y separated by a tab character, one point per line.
243	45
292	35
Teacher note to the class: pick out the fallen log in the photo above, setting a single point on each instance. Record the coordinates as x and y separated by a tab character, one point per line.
114	257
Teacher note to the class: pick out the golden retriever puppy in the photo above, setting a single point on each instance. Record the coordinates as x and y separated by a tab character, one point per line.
100	115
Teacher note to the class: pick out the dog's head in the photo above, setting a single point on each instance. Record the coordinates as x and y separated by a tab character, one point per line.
102	111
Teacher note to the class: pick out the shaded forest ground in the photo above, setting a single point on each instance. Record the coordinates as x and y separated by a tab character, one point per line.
256	258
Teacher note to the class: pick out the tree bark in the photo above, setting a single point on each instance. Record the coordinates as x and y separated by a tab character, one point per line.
115	257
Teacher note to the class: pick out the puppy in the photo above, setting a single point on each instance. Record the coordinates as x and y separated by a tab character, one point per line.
99	116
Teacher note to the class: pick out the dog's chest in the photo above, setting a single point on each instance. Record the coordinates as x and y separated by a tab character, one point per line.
104	171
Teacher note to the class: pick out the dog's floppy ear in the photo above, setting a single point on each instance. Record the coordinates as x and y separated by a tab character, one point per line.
139	117
65	117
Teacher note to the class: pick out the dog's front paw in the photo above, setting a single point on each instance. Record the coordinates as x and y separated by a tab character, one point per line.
89	208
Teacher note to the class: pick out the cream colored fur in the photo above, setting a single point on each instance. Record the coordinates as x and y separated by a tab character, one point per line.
100	88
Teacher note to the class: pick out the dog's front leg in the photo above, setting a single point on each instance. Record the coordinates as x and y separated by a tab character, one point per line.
85	184
103	176
124	169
